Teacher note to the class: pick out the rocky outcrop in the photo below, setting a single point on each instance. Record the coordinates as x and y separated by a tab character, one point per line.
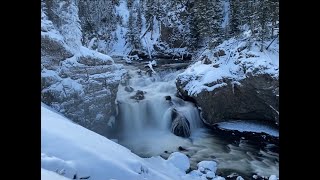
255	97
78	82
84	94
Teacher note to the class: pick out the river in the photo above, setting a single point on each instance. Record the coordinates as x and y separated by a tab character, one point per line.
145	123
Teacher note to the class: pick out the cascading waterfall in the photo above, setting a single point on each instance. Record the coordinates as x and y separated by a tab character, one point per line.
153	111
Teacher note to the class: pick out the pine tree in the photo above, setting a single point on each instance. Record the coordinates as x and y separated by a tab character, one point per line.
205	25
263	10
234	17
139	18
274	16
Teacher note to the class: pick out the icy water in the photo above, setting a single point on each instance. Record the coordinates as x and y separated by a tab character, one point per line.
144	128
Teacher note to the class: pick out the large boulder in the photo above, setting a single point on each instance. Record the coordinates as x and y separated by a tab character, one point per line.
252	98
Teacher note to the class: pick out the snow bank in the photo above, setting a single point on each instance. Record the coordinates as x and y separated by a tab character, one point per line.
70	149
49	175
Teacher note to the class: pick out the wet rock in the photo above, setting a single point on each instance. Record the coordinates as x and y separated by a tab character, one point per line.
180	126
138	96
168	98
129	89
180	148
149	72
216	65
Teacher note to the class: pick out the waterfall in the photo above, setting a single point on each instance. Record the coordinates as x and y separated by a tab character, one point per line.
152	112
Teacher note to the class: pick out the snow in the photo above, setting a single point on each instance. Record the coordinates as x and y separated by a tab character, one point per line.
208	165
245	126
49	175
94	54
273	177
211	174
238	62
179	160
70	149
239	178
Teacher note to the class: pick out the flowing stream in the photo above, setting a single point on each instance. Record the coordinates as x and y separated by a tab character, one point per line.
145	128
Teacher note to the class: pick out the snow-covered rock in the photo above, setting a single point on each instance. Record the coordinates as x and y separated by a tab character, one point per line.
240	84
273	177
208	165
179	160
50	175
93	58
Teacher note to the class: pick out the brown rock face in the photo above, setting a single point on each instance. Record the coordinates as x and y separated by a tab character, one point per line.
255	98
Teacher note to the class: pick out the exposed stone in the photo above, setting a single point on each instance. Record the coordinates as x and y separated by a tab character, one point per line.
206	60
219	53
93	61
138	96
168	98
180	125
180	148
129	89
216	65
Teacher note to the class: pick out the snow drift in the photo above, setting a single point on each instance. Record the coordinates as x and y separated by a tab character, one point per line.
71	150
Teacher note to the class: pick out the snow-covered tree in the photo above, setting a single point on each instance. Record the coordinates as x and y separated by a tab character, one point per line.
205	24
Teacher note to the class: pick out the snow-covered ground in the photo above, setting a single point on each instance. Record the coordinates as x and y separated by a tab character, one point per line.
71	150
245	126
237	62
50	175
